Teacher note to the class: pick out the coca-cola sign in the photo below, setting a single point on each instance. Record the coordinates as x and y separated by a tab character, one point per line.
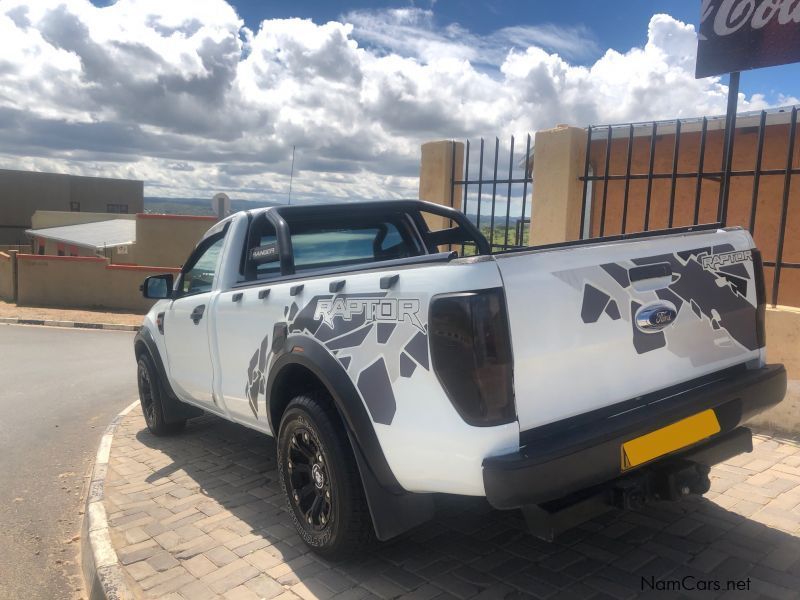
736	35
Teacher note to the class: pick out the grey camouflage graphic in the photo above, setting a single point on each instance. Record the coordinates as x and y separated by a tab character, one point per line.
375	348
708	285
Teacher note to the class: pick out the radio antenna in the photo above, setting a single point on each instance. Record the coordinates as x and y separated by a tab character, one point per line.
291	176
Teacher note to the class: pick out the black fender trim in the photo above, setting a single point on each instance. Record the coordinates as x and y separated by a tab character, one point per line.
393	510
174	409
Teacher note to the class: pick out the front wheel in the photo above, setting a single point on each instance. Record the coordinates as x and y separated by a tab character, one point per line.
320	478
151	397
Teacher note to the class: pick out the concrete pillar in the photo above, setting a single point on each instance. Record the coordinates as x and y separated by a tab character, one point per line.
8	275
436	174
783	346
557	192
14	274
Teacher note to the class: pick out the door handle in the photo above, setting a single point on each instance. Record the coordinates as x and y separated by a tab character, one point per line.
197	313
650	272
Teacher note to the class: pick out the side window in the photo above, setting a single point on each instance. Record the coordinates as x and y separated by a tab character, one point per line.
200	276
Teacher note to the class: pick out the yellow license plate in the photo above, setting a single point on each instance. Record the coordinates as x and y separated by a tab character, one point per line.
668	439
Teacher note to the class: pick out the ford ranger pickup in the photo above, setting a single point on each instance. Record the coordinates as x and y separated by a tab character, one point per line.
562	380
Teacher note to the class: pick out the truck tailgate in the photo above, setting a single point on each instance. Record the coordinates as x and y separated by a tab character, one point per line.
597	324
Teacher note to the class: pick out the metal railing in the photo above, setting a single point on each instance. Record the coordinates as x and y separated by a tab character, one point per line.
504	225
601	137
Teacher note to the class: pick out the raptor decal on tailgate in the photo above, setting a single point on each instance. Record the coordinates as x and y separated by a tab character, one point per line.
711	285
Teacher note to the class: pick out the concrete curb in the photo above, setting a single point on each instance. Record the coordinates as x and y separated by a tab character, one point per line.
102	573
75	324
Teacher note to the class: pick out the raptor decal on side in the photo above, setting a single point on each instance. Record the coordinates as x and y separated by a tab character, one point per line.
376	339
373	309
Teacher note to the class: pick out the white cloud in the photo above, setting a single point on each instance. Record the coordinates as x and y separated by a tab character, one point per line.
181	94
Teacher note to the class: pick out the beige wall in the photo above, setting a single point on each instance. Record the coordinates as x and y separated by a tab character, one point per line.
783	346
7	266
557	192
51	248
118	254
436	177
58	218
26	249
161	240
167	240
23	192
84	282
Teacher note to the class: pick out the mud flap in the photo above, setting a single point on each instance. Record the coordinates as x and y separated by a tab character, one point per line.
175	410
392	514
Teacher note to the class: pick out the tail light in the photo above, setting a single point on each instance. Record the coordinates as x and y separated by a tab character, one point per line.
761	298
471	355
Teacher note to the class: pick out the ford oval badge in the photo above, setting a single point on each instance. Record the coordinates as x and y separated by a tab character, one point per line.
655	317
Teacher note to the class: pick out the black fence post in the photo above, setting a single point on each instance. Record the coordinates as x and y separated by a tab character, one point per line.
787	183
757	171
675	156
582	232
727	154
650	176
701	157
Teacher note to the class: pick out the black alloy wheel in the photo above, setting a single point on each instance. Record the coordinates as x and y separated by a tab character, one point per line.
309	479
320	478
151	397
146	395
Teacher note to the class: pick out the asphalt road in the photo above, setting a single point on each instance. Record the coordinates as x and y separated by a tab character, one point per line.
59	388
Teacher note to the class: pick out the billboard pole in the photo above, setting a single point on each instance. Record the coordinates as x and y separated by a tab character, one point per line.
727	146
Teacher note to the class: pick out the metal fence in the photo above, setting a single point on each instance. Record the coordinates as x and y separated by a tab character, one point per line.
498	198
607	144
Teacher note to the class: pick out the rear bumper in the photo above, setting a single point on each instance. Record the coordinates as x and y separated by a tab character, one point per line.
558	461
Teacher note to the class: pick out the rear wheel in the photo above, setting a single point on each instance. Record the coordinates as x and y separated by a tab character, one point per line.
320	478
151	397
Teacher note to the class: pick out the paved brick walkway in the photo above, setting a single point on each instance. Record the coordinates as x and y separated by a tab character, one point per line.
201	515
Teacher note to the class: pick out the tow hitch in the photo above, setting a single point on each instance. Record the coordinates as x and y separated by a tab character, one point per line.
670	481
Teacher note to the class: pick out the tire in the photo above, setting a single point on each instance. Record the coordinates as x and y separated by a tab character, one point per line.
151	397
325	497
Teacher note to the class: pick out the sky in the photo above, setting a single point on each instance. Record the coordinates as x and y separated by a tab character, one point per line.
200	96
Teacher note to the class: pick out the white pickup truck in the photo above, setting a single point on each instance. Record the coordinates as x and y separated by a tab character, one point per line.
561	379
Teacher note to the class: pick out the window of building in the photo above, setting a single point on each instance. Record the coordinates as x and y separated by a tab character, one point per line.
117	208
61	252
75	206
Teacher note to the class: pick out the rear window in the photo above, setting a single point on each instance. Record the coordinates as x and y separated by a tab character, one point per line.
327	245
348	245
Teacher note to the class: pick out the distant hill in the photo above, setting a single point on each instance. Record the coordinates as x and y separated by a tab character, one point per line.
194	206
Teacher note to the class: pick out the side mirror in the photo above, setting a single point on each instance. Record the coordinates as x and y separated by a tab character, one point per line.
157	287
